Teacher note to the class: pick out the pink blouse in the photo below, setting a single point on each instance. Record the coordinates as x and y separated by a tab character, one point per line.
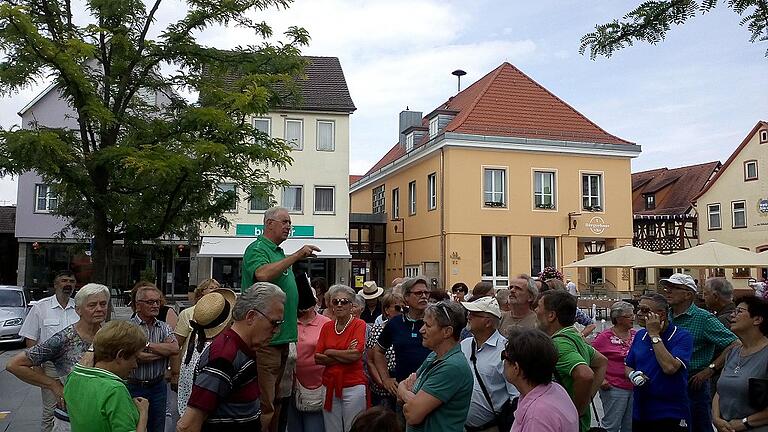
615	350
309	373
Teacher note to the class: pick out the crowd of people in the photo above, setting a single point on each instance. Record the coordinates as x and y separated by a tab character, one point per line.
290	354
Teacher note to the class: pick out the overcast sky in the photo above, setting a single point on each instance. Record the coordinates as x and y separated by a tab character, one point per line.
690	99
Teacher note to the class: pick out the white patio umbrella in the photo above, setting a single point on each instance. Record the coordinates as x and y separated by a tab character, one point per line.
623	257
711	254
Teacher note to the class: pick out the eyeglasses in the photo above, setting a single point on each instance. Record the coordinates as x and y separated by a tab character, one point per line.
149	302
671	288
340	302
283	222
275	323
739	310
420	293
398	308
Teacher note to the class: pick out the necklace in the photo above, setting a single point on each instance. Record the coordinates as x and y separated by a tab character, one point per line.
336	324
743	355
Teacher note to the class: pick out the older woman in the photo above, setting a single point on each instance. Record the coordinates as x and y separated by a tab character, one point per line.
436	398
732	409
392	305
616	391
529	361
340	349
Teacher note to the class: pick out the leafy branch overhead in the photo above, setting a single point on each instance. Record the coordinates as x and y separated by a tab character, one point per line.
651	21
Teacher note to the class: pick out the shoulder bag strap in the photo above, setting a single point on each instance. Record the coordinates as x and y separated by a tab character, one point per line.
592	401
473	358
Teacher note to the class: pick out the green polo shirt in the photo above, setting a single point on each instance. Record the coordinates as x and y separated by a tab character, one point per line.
98	401
709	335
261	252
572	350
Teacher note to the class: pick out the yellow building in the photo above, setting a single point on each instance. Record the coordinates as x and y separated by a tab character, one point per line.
504	178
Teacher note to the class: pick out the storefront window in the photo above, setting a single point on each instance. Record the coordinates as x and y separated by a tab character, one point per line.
227	271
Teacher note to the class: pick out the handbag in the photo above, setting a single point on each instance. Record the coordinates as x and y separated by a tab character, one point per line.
757	392
599	427
309	400
506	415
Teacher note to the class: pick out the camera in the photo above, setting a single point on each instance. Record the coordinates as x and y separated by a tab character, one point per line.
638	378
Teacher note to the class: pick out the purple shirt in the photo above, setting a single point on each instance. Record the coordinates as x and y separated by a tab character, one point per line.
546	408
615	350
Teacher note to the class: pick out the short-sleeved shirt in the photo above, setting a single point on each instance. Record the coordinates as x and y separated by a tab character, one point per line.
64	350
259	253
307	372
338	376
572	351
402	333
733	384
370	343
47	317
226	385
448	379
663	397
709	335
546	408
615	349
508	322
98	401
157	332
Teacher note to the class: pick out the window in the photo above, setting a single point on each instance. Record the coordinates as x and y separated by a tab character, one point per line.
45	200
378	200
294	134
591	192
543	254
432	191
409	142
742	272
495	256
763	136
650	201
396	203
434	127
229	188
412	271
263	125
325	136
713	216
750	170
324	200
292	198
412	198
544	189
739	213
259	201
494	190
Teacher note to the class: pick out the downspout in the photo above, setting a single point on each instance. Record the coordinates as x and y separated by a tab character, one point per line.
443	255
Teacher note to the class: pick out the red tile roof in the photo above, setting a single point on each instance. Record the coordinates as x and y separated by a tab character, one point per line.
353	178
674	188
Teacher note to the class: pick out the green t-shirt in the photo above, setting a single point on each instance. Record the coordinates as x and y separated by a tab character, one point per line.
571	352
98	401
450	380
263	251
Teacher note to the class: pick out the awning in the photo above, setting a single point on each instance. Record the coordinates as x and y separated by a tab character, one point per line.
233	247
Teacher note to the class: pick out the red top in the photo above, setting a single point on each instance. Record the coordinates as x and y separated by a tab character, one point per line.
341	375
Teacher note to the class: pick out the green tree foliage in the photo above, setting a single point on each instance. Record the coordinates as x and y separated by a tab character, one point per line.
651	21
134	169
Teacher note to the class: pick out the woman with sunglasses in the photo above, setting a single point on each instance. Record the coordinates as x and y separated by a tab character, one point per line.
436	398
732	408
392	305
340	348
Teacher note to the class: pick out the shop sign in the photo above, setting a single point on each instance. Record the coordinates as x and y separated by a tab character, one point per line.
597	225
251	230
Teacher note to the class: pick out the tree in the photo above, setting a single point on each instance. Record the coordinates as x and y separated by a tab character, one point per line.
651	21
133	169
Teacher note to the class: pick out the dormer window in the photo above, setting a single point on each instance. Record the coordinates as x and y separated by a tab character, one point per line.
764	136
650	201
434	126
409	142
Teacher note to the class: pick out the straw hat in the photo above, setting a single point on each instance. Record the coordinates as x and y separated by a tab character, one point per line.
213	312
371	291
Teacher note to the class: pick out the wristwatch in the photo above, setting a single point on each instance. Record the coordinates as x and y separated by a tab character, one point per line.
746	424
655	339
712	366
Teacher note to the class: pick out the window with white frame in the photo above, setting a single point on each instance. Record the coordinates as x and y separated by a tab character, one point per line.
544	189
433	127
432	191
378	200
412	198
45	200
739	214
494	251
494	187
294	133
324	199
229	188
650	201
592	192
763	136
750	170
263	124
395	203
543	253
412	271
713	217
260	201
325	136
409	141
293	198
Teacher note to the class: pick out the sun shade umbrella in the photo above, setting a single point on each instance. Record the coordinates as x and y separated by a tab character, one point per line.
625	256
711	254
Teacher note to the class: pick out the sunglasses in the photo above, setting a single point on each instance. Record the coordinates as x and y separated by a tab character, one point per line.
420	293
275	323
340	302
149	302
398	308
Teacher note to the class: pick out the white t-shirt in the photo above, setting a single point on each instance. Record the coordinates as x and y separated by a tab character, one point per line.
47	318
572	288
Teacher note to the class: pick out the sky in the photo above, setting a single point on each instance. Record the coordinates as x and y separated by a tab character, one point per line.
690	99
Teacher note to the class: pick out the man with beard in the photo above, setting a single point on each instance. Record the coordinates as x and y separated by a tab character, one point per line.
48	317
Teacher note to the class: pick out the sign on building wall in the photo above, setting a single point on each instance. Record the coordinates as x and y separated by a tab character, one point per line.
257	230
597	225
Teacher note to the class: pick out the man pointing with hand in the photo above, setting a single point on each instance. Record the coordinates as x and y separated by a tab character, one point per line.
265	261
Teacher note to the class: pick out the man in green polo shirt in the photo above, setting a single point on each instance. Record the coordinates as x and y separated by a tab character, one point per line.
265	261
579	369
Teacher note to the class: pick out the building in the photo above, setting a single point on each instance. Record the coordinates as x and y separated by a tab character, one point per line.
9	247
734	205
318	191
503	178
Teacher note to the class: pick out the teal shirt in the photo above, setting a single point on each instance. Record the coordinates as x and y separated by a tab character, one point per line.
709	335
450	380
263	251
98	401
572	350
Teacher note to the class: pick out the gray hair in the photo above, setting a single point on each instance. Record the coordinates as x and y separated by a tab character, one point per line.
447	313
532	290
502	296
359	300
88	290
721	287
339	288
619	308
271	212
259	296
409	283
660	300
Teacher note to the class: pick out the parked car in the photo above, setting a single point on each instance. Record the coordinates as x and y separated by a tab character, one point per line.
13	310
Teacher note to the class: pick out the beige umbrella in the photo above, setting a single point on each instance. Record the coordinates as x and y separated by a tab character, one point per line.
625	256
711	254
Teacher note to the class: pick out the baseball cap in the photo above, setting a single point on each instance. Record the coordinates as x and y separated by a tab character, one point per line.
683	280
484	304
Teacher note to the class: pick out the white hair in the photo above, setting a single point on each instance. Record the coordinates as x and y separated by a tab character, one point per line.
272	212
259	296
359	300
339	288
89	290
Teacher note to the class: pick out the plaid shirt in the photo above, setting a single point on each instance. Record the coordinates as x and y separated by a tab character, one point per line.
709	335
156	332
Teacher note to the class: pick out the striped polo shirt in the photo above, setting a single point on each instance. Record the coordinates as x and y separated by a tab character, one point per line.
226	385
157	332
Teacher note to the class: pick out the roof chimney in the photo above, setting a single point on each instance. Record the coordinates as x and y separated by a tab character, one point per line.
407	119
